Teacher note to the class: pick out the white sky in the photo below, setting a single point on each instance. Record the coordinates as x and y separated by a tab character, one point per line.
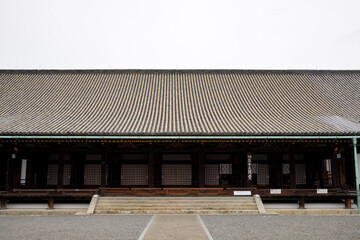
182	34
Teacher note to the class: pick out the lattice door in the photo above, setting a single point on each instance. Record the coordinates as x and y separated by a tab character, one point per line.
211	174
92	174
67	174
300	174
263	174
134	174
52	174
176	174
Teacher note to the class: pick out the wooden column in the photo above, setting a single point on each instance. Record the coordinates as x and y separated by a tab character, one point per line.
334	170
236	170
3	203
249	170
274	169
309	168
60	177
151	169
7	174
157	171
16	171
195	169
104	157
51	203
78	159
201	168
292	170
348	202
302	203
116	170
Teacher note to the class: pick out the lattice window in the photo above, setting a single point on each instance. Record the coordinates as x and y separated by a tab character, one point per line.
263	174
211	174
254	168
52	174
67	174
286	168
226	168
300	173
176	174
92	174
134	174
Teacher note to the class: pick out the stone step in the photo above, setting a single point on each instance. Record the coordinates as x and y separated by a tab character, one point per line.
175	205
179	198
176	212
176	208
174	200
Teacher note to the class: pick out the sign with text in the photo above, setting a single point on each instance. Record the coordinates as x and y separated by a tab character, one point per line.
275	191
321	191
242	193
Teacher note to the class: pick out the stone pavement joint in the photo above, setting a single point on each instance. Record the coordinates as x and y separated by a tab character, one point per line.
177	226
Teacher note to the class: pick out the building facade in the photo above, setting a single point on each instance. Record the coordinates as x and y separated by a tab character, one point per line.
281	134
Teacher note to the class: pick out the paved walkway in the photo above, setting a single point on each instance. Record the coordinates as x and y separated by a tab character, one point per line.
164	227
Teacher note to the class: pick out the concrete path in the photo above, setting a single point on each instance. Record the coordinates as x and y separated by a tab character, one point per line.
164	227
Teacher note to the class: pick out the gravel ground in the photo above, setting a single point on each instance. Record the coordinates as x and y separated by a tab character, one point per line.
73	227
282	227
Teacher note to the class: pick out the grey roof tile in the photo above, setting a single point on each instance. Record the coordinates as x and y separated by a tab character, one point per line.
179	102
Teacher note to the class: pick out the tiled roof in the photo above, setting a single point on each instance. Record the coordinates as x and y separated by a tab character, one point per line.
179	103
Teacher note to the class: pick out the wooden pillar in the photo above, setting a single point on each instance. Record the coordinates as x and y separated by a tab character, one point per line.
201	168
115	170
292	170
103	166
309	168
51	203
151	168
16	170
157	171
348	202
274	169
60	180
195	169
334	170
249	169
7	174
236	170
301	203
3	202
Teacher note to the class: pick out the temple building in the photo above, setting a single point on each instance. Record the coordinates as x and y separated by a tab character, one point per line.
285	135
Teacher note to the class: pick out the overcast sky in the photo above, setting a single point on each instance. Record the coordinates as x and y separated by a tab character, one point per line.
182	34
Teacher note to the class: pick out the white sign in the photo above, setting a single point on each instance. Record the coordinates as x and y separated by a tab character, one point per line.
242	193
321	191
275	191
